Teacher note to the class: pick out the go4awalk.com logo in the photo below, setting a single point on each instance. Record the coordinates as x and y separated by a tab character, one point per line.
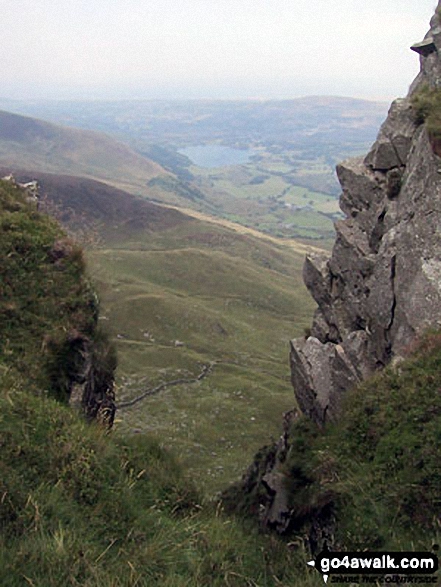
360	567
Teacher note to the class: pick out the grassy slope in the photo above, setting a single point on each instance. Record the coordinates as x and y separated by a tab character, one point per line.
377	469
35	144
231	299
39	264
100	512
231	296
78	506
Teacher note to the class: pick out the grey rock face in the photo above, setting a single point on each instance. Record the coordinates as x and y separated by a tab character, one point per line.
380	287
382	284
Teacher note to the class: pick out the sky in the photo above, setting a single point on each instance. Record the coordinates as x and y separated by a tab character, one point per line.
226	49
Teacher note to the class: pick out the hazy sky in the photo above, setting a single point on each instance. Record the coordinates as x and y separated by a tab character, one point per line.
209	48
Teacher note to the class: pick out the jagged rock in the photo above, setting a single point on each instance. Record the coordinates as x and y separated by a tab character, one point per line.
425	47
317	277
361	189
320	373
393	143
382	284
322	330
277	514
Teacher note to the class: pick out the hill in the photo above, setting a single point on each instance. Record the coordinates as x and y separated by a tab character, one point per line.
35	144
269	165
85	204
180	293
309	120
80	506
49	311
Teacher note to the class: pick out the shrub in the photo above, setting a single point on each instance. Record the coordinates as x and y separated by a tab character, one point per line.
427	106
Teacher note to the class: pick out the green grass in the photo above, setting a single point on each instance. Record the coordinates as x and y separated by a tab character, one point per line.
427	106
45	295
392	450
232	300
377	469
88	509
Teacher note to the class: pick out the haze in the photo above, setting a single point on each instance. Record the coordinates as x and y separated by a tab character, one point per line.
111	49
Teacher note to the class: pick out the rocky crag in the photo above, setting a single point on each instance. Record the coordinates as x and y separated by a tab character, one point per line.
382	284
378	290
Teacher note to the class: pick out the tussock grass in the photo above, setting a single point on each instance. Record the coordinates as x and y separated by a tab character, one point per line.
80	507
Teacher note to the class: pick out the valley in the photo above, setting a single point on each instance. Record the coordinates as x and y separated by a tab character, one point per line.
180	292
202	295
220	354
198	262
268	165
196	243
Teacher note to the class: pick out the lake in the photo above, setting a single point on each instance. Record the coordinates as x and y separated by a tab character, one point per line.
216	155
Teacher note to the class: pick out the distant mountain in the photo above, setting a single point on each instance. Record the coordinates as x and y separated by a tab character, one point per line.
35	144
306	121
286	188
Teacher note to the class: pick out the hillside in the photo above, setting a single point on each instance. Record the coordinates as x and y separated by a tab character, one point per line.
268	165
83	204
370	481
181	293
49	311
35	144
80	506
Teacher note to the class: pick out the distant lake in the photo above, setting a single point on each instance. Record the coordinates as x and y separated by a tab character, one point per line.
216	155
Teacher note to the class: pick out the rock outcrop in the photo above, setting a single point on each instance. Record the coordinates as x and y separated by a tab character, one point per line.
90	379
378	290
381	286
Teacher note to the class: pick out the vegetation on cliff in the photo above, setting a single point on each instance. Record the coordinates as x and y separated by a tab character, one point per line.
79	506
427	105
48	309
373	479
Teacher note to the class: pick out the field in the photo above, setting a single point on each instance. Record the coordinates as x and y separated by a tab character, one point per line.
288	188
197	295
265	196
182	292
